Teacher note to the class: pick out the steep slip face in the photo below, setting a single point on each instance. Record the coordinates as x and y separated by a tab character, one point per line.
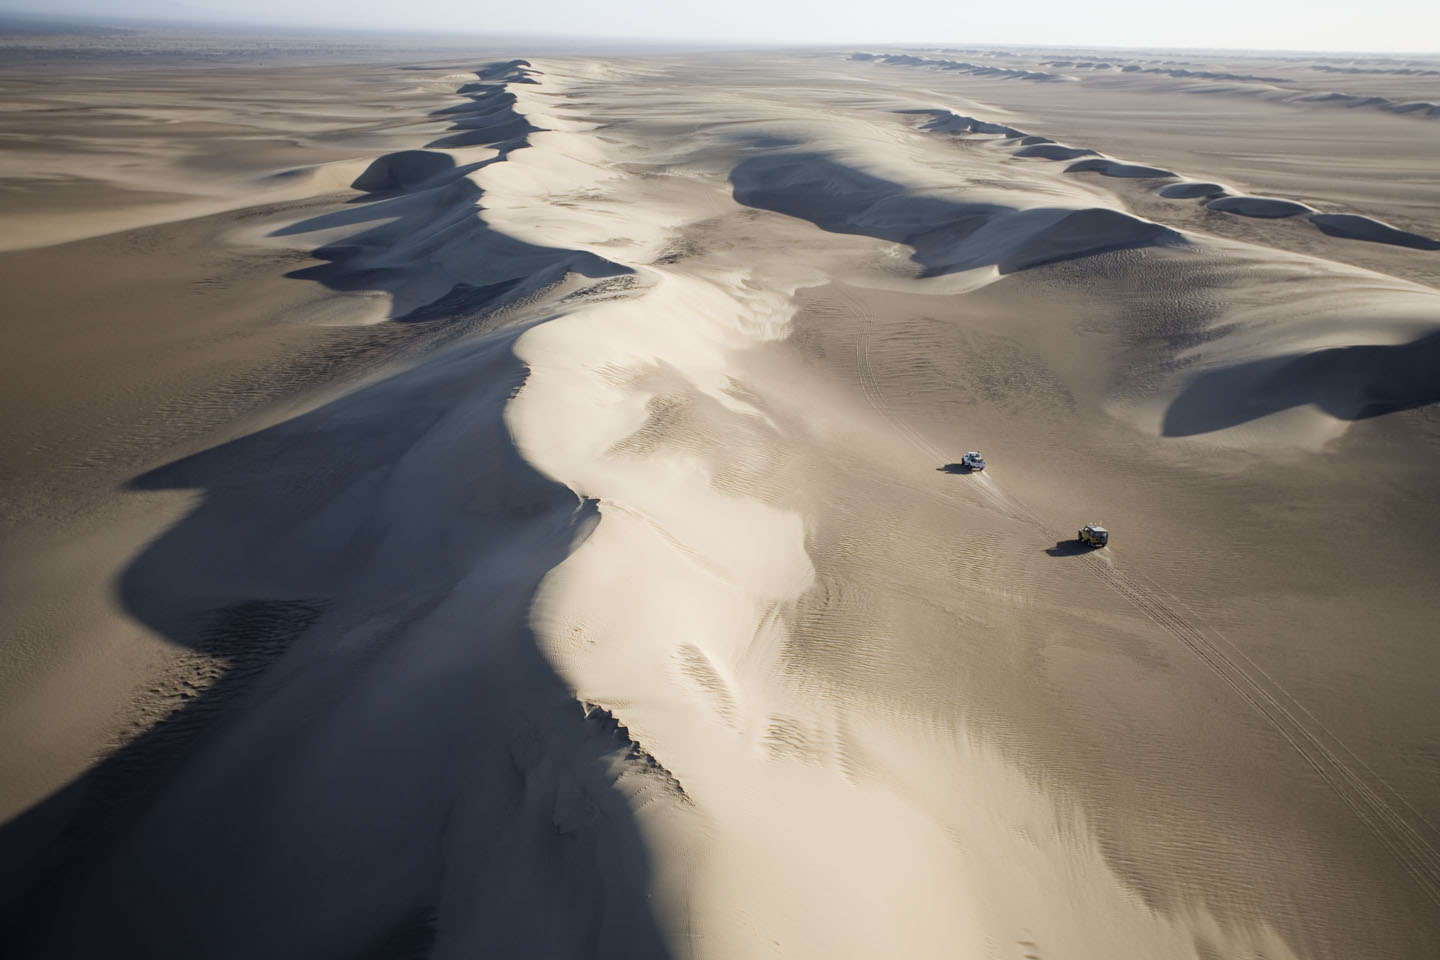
366	753
409	775
947	237
1170	185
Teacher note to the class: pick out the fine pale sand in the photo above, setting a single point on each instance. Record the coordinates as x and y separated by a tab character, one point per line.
510	507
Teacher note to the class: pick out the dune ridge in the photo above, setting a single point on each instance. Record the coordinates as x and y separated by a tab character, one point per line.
432	250
1402	71
945	236
1215	196
1419	108
1216	82
427	753
1176	72
960	66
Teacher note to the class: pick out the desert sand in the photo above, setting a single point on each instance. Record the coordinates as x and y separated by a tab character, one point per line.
508	506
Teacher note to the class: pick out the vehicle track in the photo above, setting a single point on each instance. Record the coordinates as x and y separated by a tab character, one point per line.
1373	801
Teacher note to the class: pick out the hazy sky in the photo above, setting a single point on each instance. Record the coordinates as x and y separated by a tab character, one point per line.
1361	25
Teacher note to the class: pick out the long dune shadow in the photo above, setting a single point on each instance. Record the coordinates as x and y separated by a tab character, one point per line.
427	245
392	766
368	754
1353	227
419	233
1349	383
945	235
490	116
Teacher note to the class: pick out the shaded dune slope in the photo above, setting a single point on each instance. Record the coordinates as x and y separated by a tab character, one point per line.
432	252
946	236
1216	196
1191	189
1054	151
1348	383
1265	208
1418	108
369	756
404	772
1236	376
430	249
960	66
1114	168
1357	227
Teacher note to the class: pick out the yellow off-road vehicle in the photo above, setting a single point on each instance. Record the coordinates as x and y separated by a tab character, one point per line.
1093	535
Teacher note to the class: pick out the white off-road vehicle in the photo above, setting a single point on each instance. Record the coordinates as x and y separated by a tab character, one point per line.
972	460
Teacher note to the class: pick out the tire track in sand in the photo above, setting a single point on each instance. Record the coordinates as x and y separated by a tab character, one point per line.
875	397
1366	797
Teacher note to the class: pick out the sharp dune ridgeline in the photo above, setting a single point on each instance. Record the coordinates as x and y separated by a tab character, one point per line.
513	506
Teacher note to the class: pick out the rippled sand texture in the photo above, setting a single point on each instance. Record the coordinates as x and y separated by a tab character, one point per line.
510	508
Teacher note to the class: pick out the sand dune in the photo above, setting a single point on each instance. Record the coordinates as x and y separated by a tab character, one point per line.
1112	168
1218	197
1364	228
526	530
428	250
961	66
1398	71
1192	189
488	118
1202	82
945	236
944	121
1348	383
1422	108
405	170
1053	151
1266	207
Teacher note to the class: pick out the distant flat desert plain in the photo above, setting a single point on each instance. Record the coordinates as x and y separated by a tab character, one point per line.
503	503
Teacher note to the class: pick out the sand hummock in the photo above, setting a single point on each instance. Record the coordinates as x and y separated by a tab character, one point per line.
504	506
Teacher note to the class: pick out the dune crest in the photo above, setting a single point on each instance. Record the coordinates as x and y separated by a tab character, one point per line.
1216	196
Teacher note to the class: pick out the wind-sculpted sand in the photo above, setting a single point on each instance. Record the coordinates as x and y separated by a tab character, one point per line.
509	509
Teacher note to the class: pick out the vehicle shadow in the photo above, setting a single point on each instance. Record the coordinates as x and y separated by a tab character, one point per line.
1068	548
954	468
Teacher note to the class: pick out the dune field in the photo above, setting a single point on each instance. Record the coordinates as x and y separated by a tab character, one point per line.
511	507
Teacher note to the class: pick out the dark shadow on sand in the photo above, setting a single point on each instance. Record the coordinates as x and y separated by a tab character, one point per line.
391	762
955	468
1069	548
1353	227
945	235
1349	383
420	232
433	252
370	756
